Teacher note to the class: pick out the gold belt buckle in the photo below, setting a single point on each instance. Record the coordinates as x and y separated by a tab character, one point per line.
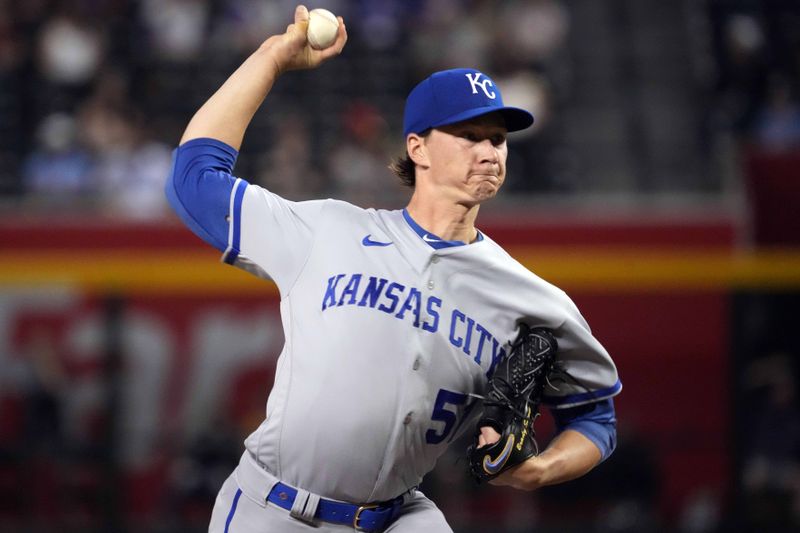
357	516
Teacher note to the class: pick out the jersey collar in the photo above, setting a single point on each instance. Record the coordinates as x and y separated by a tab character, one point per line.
433	240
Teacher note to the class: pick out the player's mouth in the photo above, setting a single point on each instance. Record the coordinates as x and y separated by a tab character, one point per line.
487	176
485	172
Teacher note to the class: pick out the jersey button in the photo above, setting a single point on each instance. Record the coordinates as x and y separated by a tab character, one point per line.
431	285
416	364
435	259
407	419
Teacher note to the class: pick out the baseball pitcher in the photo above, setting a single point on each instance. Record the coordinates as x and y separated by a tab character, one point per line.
403	329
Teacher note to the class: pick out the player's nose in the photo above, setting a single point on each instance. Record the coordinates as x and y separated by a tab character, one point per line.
488	152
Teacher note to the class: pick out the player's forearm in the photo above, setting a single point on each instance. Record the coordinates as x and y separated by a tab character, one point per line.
226	115
570	455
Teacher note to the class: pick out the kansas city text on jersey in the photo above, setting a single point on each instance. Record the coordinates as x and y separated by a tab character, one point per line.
421	310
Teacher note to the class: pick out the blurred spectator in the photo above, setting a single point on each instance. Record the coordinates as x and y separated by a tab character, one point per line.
441	43
771	471
701	512
530	32
380	23
130	168
103	157
176	29
242	25
536	160
286	168
358	162
743	67
60	168
777	122
532	92
71	50
111	88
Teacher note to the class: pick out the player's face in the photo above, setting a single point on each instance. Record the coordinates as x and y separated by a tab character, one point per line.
468	159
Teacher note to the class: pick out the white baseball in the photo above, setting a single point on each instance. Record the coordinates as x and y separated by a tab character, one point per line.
322	28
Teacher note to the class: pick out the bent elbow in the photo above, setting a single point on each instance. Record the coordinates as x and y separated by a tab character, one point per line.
199	190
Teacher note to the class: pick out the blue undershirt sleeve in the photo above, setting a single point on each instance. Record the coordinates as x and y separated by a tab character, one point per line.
199	188
596	421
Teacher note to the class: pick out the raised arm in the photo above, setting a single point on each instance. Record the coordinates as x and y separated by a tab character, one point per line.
226	115
201	187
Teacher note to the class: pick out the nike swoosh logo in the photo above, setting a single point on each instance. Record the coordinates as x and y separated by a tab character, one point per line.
428	238
493	466
366	241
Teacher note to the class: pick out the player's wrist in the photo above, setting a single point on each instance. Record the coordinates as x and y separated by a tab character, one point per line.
275	56
289	50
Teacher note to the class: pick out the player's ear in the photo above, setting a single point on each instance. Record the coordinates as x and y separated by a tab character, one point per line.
415	146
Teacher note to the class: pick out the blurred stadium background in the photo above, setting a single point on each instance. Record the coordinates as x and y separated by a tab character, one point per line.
660	187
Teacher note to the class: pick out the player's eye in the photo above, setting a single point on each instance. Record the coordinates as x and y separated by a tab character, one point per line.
498	139
471	136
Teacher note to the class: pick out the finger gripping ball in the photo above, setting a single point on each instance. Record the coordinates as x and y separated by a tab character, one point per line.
322	28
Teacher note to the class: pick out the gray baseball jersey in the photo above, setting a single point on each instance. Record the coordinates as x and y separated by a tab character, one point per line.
388	333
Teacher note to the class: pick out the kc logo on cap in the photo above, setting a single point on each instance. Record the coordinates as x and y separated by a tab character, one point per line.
474	83
451	96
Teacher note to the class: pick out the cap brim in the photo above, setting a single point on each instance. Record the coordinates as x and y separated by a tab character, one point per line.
516	119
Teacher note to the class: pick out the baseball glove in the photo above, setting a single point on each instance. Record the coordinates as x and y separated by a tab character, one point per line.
512	403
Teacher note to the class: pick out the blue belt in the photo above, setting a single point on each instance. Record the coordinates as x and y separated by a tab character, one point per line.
368	517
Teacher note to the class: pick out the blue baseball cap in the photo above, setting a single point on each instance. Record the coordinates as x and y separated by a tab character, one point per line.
450	96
